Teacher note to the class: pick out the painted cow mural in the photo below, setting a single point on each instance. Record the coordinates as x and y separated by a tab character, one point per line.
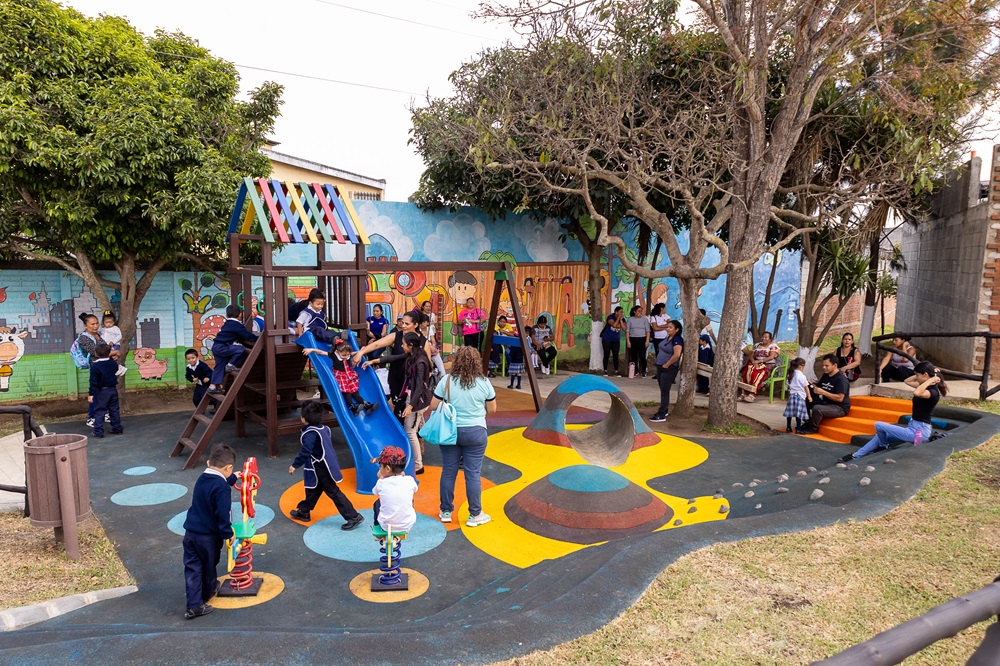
11	351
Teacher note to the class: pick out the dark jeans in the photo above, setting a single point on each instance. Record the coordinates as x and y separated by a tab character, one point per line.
819	412
637	354
201	563
106	402
665	377
893	373
546	356
326	484
611	349
701	384
470	449
473	340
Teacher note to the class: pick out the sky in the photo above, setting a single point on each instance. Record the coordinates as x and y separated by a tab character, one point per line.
407	48
350	127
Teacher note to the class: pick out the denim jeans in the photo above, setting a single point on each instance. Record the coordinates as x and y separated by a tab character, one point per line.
887	431
470	449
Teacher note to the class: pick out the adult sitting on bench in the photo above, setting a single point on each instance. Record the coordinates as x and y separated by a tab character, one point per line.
831	396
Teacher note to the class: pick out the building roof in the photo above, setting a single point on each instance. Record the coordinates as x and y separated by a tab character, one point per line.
290	160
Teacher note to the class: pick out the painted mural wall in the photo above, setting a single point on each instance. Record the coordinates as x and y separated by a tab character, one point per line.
39	309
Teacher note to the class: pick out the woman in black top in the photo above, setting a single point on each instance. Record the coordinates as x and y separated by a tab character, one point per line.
849	357
417	391
928	389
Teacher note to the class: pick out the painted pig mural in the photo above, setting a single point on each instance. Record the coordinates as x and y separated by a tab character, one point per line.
149	366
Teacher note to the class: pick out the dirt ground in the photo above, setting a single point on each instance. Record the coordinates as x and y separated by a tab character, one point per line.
151	401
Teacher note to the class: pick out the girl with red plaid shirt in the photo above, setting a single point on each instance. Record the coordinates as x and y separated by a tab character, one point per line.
347	378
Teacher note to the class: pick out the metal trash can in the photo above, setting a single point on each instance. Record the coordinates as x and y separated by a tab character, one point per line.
45	459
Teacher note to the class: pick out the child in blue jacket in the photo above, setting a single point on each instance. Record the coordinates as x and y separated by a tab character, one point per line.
228	350
321	472
104	389
208	524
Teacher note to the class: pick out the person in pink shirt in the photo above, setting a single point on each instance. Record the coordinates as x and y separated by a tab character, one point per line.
472	320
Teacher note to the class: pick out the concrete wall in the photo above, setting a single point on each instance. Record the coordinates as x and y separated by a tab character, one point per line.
942	289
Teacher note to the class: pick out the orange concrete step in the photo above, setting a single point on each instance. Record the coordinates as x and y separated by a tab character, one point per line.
884	404
875	414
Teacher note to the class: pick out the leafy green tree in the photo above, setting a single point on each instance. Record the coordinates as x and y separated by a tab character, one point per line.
119	150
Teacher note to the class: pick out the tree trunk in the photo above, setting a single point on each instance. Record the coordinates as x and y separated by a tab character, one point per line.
864	342
649	282
809	354
596	304
725	373
695	321
766	305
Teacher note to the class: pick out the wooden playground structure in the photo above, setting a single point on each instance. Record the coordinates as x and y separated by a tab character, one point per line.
265	389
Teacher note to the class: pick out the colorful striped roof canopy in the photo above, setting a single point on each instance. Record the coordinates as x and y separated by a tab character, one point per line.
290	212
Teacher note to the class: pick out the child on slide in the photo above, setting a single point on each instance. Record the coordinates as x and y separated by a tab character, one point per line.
346	376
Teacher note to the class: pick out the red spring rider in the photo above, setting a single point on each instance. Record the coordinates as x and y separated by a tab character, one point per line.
240	547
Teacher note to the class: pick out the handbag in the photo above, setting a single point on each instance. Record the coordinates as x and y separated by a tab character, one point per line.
441	428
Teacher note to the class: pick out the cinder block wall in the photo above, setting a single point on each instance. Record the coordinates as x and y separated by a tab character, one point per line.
951	275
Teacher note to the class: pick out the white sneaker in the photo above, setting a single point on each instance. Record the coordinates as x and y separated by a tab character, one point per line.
545	370
107	418
445	516
90	423
121	371
476	521
316	395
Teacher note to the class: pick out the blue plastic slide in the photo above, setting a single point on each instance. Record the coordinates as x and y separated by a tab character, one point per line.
366	434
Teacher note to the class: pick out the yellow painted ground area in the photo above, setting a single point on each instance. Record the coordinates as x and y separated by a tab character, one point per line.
514	545
361	587
269	589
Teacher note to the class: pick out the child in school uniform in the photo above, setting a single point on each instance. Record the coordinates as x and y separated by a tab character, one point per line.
706	355
346	376
228	350
798	396
198	372
320	470
104	390
311	318
516	365
208	524
394	507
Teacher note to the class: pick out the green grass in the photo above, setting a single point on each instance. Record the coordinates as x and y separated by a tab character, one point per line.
740	429
796	598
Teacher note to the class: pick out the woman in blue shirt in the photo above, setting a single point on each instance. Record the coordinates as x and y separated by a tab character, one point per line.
377	325
472	396
611	338
668	362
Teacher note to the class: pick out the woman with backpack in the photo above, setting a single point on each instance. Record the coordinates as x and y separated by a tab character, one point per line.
83	351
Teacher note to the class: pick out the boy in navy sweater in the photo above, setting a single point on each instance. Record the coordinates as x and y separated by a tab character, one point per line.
227	350
321	472
198	372
104	389
209	523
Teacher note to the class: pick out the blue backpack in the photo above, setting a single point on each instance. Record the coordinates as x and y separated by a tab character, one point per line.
80	358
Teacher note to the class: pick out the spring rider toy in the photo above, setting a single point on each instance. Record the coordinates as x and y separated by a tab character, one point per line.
241	582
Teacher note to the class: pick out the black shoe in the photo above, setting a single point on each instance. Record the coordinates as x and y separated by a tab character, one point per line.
370	407
117	432
491	374
192	613
658	418
216	391
511	387
419	471
299	515
352	523
355	409
97	437
848	458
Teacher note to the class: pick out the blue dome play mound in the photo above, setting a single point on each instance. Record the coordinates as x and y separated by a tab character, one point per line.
587	504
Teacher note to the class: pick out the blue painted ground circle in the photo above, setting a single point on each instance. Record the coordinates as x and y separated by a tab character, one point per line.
149	494
327	539
265	514
139	471
588	479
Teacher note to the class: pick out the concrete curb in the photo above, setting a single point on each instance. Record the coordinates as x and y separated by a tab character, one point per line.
22	616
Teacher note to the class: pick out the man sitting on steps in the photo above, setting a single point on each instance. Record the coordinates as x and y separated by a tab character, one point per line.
831	395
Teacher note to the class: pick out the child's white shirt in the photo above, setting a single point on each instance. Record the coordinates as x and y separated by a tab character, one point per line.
798	383
112	335
395	495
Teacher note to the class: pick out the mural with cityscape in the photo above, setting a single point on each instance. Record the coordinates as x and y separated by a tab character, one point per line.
39	309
